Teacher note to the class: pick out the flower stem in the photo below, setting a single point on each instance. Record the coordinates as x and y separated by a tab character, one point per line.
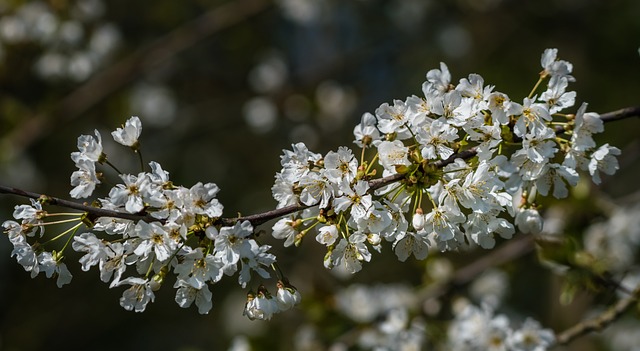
75	227
112	166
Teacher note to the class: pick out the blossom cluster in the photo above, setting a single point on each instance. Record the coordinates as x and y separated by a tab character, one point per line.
460	166
479	329
178	230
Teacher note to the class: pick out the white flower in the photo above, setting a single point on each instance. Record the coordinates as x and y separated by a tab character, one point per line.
603	160
84	179
489	137
356	198
480	227
287	296
438	79
282	191
158	175
392	154
26	257
51	265
444	222
316	189
454	108
138	295
539	147
196	269
586	124
376	220
155	239
295	163
474	88
131	193
254	257
203	201
187	294
529	221
532	118
554	67
230	242
95	249
393	119
31	217
261	306
365	132
418	110
14	230
435	140
129	133
556	97
499	104
531	337
556	175
327	235
351	253
410	243
90	149
114	264
340	165
285	228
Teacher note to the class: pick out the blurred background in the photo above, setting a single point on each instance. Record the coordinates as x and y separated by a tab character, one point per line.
222	87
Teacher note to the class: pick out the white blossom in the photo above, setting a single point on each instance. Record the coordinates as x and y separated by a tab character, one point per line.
129	133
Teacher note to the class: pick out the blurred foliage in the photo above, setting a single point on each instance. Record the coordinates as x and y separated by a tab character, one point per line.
222	108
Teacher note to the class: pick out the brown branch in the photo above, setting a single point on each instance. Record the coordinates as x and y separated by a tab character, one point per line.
95	211
109	80
599	322
260	218
628	112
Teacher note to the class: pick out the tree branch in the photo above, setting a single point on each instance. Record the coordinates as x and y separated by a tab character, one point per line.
94	211
601	321
260	218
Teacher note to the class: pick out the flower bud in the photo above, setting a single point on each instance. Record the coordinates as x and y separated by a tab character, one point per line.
418	220
287	296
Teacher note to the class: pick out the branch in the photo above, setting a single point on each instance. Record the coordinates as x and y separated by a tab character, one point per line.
94	211
627	112
260	218
601	321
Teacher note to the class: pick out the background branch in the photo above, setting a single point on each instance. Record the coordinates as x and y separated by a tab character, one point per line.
599	322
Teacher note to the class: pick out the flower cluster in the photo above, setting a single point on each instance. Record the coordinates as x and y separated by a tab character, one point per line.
177	229
479	329
455	163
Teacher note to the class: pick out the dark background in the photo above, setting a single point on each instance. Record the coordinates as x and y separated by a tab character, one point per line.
192	80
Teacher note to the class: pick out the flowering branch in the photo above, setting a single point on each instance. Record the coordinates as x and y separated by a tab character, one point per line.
470	156
260	218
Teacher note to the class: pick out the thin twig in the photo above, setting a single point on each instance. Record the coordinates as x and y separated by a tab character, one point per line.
599	322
